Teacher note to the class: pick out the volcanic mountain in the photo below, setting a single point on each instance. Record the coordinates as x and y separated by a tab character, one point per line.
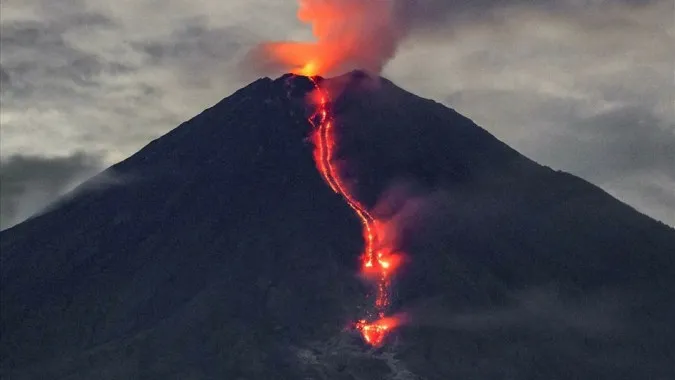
223	254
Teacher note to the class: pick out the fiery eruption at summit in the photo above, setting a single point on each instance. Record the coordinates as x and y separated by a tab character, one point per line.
348	34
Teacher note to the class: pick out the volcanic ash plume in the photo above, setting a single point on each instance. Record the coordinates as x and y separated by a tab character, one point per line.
349	34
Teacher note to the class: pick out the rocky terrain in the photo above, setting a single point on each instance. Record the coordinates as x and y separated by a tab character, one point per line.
223	255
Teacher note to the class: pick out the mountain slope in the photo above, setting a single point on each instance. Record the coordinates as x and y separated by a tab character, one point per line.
226	256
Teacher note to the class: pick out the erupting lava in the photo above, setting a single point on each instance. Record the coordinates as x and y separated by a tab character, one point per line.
360	34
347	34
375	332
378	264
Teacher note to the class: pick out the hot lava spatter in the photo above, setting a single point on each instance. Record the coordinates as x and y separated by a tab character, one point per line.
377	264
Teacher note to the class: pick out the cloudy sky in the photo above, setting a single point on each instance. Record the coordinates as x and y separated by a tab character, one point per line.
586	86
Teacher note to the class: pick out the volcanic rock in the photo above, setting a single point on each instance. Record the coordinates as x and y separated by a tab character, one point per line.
224	255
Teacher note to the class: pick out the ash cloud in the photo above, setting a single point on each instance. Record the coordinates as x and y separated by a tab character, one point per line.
364	34
349	34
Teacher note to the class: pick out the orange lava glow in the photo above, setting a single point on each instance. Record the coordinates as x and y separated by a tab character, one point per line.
378	264
375	332
346	34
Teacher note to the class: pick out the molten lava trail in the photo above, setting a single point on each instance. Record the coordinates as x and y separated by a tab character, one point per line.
377	264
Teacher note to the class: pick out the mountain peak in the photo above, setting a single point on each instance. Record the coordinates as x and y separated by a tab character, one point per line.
227	256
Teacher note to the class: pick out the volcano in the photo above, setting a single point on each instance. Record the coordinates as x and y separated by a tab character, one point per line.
225	255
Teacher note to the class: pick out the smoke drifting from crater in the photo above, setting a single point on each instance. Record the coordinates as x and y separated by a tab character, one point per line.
365	34
348	34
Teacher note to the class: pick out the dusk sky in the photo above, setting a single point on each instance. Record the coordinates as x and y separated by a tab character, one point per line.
582	86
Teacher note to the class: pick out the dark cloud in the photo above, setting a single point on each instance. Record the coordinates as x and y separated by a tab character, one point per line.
71	76
421	13
617	143
43	64
628	151
192	39
192	49
30	183
5	79
663	196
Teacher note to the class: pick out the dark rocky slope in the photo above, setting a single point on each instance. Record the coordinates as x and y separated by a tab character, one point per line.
224	255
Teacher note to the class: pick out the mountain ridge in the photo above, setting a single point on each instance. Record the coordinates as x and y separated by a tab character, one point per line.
227	225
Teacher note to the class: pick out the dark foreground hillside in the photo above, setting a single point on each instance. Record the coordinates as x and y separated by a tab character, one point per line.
223	255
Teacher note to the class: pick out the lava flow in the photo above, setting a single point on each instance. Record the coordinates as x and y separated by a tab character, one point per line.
347	34
377	264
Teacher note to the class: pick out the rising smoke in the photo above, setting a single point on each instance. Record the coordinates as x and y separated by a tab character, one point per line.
365	34
348	34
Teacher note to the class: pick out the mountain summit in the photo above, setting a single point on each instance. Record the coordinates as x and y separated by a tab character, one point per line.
226	256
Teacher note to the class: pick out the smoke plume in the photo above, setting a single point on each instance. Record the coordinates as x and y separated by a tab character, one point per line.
365	34
348	34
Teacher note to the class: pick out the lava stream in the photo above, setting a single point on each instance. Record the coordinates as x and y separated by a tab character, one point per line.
377	264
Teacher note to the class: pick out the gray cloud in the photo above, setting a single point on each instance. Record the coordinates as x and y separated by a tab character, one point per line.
30	183
60	65
590	94
5	79
629	151
191	49
617	143
65	71
447	13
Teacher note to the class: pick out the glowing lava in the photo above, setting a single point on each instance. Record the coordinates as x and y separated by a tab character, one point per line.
376	264
375	332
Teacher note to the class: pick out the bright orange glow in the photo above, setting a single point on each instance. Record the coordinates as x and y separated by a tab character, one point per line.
348	34
309	69
375	332
383	264
379	264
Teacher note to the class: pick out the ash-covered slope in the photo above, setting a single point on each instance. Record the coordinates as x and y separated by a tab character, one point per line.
224	255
